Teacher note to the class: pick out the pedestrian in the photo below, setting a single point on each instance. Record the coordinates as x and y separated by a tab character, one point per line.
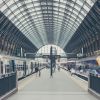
39	73
72	71
36	70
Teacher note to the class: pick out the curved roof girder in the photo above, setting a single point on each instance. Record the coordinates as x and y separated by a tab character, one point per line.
77	8
89	34
10	34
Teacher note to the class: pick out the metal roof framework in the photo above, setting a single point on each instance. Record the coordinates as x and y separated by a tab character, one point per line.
87	35
46	21
11	38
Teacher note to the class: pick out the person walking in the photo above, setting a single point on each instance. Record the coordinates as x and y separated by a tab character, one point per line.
39	73
58	67
36	70
72	71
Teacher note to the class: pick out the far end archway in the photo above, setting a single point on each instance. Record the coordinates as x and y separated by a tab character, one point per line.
45	50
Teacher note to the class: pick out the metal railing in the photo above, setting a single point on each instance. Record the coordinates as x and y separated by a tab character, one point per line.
7	83
94	83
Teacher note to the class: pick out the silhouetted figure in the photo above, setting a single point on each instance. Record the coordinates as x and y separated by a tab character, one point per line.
72	71
58	68
39	73
36	70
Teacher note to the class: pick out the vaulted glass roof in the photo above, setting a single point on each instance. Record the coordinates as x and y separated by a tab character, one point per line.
47	21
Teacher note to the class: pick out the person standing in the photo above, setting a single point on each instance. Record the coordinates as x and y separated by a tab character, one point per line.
58	67
72	71
39	73
36	70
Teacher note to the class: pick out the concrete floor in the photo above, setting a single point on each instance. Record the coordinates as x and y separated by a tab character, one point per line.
61	87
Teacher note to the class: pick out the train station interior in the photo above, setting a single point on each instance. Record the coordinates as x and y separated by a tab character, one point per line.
49	49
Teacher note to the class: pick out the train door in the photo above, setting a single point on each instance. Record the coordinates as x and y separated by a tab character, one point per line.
31	67
1	67
12	65
24	67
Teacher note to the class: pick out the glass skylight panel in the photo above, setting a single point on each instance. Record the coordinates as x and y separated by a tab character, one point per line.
28	1
50	11
86	8
76	24
45	11
35	0
3	8
31	10
13	7
56	4
11	16
19	4
10	2
14	20
1	1
44	7
22	18
70	9
39	13
56	0
80	2
37	4
55	16
61	0
81	16
60	18
37	8
17	12
43	3
17	23
77	7
56	13
90	2
30	5
62	6
74	16
55	8
72	20
75	12
21	9
68	17
84	13
62	10
7	12
72	4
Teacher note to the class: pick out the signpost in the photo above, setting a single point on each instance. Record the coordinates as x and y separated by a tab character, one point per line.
51	61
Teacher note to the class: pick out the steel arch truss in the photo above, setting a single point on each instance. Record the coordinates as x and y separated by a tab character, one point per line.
87	35
47	21
11	38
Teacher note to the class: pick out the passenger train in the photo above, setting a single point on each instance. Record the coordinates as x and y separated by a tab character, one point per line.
90	61
23	66
83	63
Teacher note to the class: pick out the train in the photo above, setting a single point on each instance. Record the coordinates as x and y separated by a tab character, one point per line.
89	61
83	63
23	66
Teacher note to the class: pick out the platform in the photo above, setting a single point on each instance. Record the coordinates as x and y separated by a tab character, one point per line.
62	86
